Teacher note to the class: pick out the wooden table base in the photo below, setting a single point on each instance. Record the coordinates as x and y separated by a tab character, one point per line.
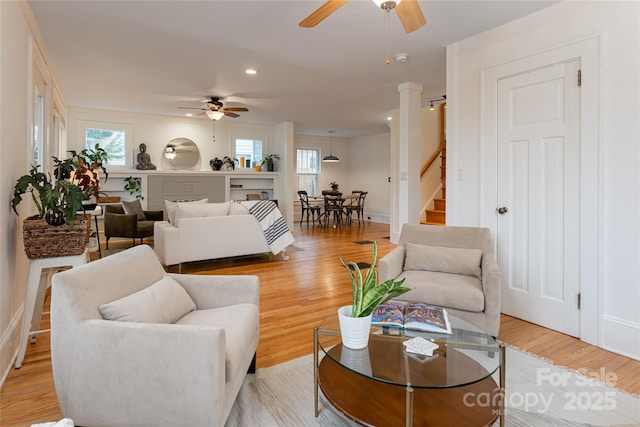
373	403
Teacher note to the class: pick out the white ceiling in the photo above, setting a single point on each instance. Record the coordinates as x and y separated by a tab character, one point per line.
154	56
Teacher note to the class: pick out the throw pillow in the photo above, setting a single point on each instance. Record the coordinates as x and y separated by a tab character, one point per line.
200	210
446	260
134	207
171	207
163	302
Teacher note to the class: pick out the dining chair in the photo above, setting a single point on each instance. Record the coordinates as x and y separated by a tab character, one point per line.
308	208
333	207
356	206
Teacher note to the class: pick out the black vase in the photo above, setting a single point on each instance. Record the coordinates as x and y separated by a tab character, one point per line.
215	164
54	218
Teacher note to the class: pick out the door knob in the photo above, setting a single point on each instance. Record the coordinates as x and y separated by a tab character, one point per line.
503	210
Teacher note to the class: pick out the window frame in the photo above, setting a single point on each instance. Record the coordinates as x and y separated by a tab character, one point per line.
127	128
316	174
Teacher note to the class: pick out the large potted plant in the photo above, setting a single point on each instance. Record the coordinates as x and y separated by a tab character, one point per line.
355	319
58	201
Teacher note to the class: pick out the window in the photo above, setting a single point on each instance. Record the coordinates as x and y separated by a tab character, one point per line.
308	168
112	137
250	149
38	142
111	141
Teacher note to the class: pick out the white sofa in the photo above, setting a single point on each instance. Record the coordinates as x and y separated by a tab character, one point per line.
134	346
204	231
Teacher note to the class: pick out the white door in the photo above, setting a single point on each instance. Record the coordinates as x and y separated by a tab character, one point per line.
538	234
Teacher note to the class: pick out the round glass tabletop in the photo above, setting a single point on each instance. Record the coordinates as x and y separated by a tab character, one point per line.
466	356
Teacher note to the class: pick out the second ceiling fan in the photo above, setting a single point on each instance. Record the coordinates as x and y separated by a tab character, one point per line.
215	109
408	11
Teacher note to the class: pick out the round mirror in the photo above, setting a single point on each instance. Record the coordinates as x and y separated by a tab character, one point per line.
181	153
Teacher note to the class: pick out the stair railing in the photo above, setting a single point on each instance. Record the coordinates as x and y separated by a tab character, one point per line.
432	159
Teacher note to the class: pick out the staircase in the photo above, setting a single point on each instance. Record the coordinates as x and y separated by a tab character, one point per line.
437	215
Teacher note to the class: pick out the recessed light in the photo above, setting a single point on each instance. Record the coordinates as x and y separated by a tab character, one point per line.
389	118
251	71
189	114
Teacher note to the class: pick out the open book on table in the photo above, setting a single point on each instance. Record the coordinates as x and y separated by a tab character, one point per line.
412	315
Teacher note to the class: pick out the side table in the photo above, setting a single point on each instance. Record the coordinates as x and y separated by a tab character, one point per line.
96	213
37	285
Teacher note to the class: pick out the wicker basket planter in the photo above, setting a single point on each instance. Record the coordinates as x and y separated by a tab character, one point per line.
42	240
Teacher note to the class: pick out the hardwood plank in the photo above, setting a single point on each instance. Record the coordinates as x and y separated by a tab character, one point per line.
295	296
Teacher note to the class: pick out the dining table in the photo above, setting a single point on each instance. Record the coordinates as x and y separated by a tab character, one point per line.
345	200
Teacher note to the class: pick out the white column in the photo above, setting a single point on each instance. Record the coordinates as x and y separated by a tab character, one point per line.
406	171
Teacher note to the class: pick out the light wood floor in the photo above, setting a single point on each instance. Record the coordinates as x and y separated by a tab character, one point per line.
295	295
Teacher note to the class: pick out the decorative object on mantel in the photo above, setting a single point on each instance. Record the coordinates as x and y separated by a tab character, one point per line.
181	154
268	161
355	319
334	186
134	186
215	164
144	159
229	163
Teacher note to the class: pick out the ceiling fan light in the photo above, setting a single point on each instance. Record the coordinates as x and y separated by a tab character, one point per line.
386	4
214	115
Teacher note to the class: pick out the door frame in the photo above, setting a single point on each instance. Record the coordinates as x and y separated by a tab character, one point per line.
591	164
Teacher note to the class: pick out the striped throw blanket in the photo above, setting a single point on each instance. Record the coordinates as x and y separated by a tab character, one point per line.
272	222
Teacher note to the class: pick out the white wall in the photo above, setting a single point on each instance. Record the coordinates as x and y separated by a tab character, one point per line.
616	24
16	45
369	170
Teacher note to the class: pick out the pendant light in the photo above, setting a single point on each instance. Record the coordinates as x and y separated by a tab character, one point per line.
331	157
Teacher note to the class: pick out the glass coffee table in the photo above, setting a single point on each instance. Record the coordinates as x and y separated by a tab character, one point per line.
383	385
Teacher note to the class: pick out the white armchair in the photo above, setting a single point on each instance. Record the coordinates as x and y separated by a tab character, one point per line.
451	267
117	373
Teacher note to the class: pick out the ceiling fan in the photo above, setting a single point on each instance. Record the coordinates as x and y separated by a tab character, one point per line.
215	109
408	11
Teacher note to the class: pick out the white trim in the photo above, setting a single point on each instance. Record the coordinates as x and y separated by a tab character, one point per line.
10	343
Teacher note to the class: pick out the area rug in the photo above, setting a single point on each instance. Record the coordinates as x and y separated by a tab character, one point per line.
538	394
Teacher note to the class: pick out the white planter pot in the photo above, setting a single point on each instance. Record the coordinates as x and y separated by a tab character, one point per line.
354	330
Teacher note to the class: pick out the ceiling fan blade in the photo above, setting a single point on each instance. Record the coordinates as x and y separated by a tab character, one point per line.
230	114
235	109
410	15
321	13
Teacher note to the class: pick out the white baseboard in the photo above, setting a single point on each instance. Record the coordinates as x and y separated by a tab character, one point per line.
9	344
621	336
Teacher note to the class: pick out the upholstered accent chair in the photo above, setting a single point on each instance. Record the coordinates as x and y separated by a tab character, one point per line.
134	346
451	267
137	225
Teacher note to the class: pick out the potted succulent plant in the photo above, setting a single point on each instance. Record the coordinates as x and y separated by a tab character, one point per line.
334	186
355	319
268	161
